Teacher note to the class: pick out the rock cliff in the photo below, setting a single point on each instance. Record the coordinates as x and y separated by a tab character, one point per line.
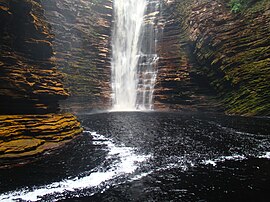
230	50
210	58
179	85
29	83
82	31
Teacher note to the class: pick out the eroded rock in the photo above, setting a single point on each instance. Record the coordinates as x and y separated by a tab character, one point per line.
29	135
30	84
234	49
82	48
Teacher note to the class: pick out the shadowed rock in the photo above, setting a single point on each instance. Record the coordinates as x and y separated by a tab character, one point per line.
30	84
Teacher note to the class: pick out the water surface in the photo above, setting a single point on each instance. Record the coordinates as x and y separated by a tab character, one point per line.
153	156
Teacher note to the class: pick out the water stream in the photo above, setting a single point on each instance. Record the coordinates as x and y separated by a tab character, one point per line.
134	59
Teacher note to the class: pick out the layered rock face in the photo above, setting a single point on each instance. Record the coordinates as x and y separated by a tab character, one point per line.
82	48
205	52
27	135
29	82
180	84
26	69
230	50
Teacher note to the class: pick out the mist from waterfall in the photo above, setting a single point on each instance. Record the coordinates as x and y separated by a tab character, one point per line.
134	56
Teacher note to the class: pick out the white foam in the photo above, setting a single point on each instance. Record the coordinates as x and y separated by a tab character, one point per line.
141	175
127	162
214	162
210	162
266	155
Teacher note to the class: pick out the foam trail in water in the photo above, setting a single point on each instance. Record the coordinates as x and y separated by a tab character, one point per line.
127	162
214	162
265	156
235	157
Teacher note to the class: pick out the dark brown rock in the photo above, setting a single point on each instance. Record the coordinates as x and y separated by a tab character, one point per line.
82	48
29	84
230	51
27	74
179	84
235	50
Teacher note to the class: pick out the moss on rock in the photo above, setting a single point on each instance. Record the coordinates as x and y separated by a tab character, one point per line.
233	51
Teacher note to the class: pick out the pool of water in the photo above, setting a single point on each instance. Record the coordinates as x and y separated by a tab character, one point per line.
154	156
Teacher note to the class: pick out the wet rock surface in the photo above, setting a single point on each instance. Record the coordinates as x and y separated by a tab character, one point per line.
28	135
231	51
82	46
30	84
179	85
28	76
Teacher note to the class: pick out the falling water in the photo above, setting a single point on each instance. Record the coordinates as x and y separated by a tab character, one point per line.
147	67
133	54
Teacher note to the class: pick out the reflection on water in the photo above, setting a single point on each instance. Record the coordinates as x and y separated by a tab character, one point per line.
152	157
120	160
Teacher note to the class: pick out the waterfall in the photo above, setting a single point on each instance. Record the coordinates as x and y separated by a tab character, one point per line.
147	67
134	56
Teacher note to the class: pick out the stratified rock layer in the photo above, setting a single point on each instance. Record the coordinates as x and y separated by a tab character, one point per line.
232	50
82	48
29	84
28	135
28	78
179	84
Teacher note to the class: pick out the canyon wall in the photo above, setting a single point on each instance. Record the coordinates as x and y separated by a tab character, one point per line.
179	86
206	41
82	46
30	84
82	31
210	58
